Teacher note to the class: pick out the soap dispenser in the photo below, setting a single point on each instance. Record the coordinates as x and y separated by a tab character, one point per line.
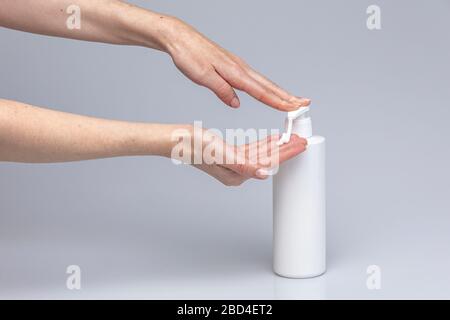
299	227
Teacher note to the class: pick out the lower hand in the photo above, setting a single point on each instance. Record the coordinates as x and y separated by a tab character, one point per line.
232	165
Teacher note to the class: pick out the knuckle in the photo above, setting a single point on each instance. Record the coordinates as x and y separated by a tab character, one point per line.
239	60
235	69
202	76
239	72
262	95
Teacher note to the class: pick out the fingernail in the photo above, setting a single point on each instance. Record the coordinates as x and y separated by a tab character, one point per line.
262	173
300	101
235	103
305	101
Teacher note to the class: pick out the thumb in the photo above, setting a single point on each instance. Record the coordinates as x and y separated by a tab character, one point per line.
223	90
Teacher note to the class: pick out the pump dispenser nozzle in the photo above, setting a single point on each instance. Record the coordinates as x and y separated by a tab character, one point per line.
303	124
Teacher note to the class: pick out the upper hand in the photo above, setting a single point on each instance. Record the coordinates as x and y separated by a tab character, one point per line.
209	65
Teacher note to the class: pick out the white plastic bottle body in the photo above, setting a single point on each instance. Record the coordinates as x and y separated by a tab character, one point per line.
299	219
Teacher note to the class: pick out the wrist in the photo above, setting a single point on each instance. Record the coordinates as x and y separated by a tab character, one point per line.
145	28
173	135
156	139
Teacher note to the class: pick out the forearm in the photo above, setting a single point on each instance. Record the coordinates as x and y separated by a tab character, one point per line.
37	135
108	21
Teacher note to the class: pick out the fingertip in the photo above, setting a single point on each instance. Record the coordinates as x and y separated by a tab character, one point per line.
300	100
295	103
235	103
296	145
288	106
298	140
304	141
262	174
303	148
305	102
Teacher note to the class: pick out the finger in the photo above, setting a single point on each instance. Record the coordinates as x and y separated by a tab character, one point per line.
269	159
251	152
222	89
262	148
246	158
262	155
295	146
238	78
302	102
244	168
283	94
259	168
260	143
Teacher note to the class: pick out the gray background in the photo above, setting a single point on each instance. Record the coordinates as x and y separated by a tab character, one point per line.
144	228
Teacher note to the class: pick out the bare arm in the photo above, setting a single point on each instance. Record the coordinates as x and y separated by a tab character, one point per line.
112	21
37	135
33	134
106	21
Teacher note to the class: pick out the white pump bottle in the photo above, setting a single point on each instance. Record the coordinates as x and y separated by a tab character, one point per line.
299	228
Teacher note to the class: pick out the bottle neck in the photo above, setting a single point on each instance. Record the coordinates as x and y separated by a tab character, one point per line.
302	127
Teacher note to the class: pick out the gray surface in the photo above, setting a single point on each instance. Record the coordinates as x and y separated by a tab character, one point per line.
143	228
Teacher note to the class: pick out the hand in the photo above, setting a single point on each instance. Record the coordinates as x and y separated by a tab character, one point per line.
209	65
233	165
37	135
112	21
